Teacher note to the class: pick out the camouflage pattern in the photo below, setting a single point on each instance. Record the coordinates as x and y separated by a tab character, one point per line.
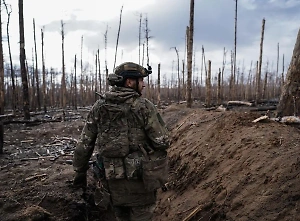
131	67
127	70
146	128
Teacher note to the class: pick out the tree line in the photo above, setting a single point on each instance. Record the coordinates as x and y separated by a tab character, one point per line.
27	88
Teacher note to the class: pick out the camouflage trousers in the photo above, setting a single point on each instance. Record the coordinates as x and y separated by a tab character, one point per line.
136	213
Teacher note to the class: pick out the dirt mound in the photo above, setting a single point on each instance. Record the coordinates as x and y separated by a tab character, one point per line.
222	167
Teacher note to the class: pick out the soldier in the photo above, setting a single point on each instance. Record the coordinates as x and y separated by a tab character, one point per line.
129	135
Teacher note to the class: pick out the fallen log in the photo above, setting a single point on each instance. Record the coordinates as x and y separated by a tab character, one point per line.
239	103
263	108
35	177
260	119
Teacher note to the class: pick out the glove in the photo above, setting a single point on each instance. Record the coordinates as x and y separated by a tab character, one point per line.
80	180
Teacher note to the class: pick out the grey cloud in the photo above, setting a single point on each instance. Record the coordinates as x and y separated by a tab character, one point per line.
214	24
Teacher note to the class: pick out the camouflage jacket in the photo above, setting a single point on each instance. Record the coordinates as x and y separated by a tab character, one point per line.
147	125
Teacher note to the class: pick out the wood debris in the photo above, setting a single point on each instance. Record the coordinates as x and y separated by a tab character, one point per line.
193	213
260	119
35	177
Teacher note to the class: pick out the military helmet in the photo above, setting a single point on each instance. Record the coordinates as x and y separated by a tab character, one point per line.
128	70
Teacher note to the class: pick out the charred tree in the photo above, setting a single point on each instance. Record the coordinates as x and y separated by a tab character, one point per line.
219	87
234	55
99	72
265	82
22	63
282	73
75	83
258	76
190	55
1	88
44	73
96	76
147	37
63	77
178	76
106	69
12	71
158	86
289	100
140	35
118	36
222	74
36	73
208	85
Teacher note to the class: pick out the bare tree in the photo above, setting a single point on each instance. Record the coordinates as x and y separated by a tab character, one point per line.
36	70
276	80
147	37
219	87
99	72
282	73
12	71
1	88
289	100
63	77
208	85
22	63
140	35
75	83
81	73
235	42
44	73
158	86
106	69
178	75
258	77
120	21
222	73
190	55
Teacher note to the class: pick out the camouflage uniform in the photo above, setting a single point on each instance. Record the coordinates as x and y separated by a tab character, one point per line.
130	200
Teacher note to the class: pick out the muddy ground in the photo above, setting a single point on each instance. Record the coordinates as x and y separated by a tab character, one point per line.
222	167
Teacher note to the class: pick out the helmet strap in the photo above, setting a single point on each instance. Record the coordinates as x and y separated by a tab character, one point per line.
137	86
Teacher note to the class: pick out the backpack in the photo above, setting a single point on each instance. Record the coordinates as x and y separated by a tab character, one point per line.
113	135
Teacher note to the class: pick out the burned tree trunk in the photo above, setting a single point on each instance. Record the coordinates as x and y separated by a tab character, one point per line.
234	55
106	69
99	72
118	36
1	89
289	99
178	75
63	78
140	35
22	63
219	87
208	85
12	72
36	73
75	83
190	54
44	73
158	86
258	76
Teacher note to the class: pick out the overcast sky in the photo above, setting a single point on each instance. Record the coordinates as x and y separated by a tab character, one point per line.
167	21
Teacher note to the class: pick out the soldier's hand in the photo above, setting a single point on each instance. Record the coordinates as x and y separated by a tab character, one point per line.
80	180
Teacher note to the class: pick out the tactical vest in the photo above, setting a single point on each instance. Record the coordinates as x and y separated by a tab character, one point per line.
122	142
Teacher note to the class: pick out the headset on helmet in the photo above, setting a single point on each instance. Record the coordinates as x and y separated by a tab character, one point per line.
128	70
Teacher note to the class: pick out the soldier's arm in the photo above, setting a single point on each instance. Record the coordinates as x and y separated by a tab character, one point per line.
86	144
155	128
